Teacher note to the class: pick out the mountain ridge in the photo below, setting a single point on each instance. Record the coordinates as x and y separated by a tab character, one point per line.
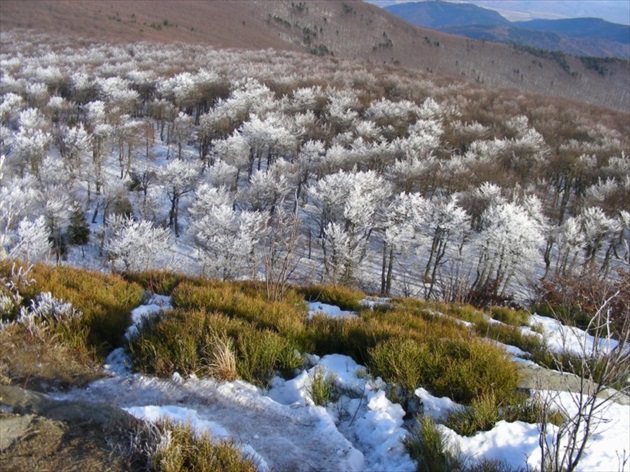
579	36
337	29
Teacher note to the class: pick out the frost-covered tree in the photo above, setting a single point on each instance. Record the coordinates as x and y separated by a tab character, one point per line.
509	244
31	142
224	237
266	189
74	145
135	246
429	228
596	227
353	201
182	128
267	138
30	242
178	178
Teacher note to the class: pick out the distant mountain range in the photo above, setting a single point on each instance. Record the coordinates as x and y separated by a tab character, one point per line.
578	36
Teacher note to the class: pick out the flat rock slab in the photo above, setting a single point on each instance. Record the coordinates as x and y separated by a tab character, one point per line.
13	427
539	378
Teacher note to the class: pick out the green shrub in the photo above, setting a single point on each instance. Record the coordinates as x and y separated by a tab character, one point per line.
187	450
161	349
405	363
491	465
344	297
530	410
192	342
180	341
471	368
322	387
485	411
463	312
429	448
351	337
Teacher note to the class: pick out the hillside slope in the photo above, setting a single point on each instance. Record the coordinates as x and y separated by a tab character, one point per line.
347	29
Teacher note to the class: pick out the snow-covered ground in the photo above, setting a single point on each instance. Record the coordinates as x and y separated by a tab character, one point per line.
566	338
281	428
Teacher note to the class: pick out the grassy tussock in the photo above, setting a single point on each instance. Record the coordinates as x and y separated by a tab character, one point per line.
509	316
182	449
261	353
211	344
244	301
222	359
322	387
352	337
429	448
481	415
509	334
485	411
156	281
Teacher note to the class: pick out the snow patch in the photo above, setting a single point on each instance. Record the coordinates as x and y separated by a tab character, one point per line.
330	311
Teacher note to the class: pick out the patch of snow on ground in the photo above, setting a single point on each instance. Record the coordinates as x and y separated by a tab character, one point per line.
186	416
118	362
371	302
363	414
561	338
437	408
331	311
156	304
517	443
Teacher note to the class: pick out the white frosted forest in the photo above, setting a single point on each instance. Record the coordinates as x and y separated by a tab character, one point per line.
258	165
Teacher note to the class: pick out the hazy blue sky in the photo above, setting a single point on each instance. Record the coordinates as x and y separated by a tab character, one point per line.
616	11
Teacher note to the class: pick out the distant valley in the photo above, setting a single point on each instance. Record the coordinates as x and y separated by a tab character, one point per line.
579	36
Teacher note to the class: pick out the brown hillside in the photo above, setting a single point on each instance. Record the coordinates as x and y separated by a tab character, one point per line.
338	28
223	24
